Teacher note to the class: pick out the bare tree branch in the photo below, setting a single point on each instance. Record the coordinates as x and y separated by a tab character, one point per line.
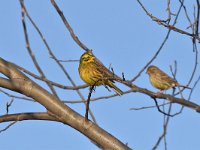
164	23
73	35
30	50
28	116
56	60
8	126
49	81
20	83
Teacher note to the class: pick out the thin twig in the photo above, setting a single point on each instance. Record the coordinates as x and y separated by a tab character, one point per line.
8	126
168	10
161	46
49	81
147	107
56	60
67	60
197	19
17	97
73	35
165	125
164	23
159	108
30	50
8	105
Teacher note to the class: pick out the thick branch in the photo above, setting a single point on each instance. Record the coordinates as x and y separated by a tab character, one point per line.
168	97
24	85
27	116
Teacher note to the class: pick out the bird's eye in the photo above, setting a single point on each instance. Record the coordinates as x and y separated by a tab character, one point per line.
86	58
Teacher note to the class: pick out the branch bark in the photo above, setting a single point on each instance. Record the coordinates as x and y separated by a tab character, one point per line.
18	82
28	116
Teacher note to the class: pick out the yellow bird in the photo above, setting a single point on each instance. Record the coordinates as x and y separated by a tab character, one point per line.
161	80
93	72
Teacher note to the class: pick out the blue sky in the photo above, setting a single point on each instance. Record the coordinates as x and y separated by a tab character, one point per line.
120	34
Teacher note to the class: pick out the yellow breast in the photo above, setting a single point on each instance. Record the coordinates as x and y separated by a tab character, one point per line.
87	74
162	85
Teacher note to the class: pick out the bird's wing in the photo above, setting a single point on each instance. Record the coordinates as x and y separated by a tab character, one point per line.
103	70
167	78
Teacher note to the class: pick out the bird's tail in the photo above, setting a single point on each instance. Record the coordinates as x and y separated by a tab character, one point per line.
115	88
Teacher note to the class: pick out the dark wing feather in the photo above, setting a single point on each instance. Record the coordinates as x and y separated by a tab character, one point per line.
104	71
164	77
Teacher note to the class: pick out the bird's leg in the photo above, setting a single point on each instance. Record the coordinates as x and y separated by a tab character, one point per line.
160	92
88	102
94	88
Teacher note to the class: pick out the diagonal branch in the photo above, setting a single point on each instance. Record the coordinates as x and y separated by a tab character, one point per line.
73	35
28	116
30	50
18	82
56	60
49	81
165	24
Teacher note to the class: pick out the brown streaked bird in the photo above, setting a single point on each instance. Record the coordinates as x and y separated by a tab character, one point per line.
161	80
93	72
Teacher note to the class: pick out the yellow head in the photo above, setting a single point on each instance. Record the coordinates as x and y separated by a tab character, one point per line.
152	69
87	57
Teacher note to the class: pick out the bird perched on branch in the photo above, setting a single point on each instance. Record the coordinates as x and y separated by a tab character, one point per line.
93	72
161	80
